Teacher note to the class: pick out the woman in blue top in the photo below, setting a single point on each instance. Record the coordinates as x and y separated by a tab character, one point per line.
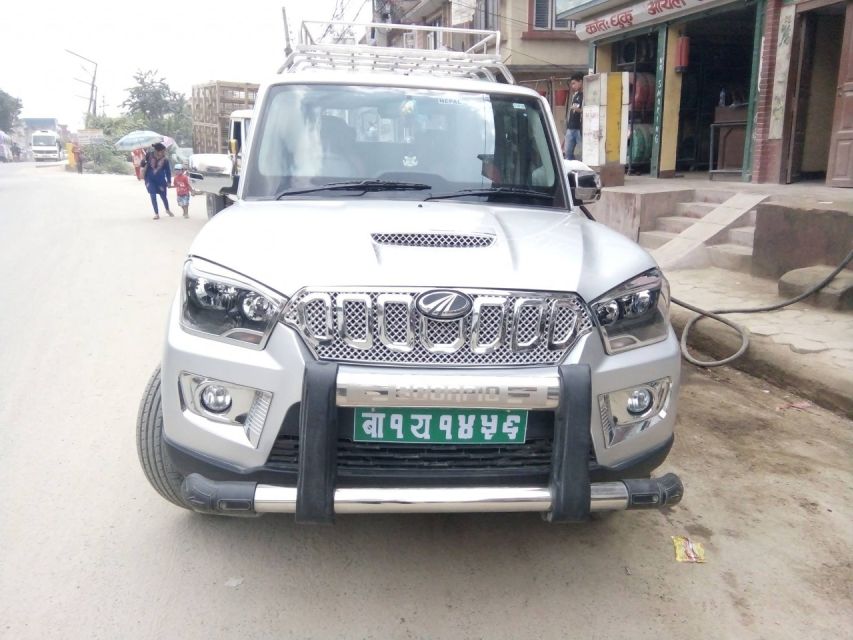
158	177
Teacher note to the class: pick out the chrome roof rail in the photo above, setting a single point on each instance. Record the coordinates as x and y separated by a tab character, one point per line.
342	50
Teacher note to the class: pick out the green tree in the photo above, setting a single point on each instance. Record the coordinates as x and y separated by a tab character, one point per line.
179	125
115	128
10	107
152	102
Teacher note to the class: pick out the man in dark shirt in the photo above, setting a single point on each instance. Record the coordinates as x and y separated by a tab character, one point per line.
574	117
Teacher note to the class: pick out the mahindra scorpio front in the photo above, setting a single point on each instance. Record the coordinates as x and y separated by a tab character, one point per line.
404	311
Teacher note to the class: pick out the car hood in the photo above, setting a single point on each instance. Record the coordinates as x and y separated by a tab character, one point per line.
328	243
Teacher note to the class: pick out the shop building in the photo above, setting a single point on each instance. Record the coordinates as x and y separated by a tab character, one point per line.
756	90
538	43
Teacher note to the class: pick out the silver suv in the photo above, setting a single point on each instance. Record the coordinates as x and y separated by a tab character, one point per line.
405	312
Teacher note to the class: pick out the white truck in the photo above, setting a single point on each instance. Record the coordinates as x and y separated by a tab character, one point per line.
224	171
46	145
408	310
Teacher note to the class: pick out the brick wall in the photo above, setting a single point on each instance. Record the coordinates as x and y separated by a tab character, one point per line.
766	154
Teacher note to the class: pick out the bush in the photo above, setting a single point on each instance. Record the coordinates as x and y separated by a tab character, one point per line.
106	159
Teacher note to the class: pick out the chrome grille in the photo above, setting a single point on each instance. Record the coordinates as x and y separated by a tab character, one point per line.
492	324
357	315
528	323
436	240
315	316
444	333
396	315
386	327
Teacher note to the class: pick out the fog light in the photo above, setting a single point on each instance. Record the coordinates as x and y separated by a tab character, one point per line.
216	398
628	412
228	404
640	401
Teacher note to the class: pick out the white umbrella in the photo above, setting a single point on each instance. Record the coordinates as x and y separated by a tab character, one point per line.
138	140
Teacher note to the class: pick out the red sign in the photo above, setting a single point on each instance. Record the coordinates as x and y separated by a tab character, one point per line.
626	18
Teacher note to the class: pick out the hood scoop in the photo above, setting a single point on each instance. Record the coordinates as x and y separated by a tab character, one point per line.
437	240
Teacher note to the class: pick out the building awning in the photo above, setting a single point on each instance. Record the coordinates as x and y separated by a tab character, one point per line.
650	12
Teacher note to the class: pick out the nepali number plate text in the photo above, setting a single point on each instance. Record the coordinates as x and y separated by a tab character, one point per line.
440	426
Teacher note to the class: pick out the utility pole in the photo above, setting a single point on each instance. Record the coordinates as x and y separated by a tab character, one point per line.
287	48
93	100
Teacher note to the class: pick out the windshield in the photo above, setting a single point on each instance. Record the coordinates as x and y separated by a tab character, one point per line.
313	135
44	141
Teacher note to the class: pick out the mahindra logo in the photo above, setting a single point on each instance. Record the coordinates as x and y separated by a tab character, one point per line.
444	304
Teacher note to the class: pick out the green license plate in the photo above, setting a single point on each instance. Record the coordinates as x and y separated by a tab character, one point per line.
429	425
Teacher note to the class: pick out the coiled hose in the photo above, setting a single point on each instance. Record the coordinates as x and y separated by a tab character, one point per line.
716	314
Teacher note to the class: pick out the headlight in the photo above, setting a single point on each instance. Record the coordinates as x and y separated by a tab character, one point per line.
218	303
634	314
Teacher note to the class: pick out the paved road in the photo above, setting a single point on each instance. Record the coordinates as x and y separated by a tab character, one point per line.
88	550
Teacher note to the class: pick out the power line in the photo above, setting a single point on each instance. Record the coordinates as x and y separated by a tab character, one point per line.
348	30
546	62
360	9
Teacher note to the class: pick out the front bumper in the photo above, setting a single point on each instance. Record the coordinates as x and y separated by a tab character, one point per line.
568	496
581	475
247	498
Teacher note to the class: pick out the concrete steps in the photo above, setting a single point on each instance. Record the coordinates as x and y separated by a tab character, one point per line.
694	209
716	196
735	257
674	224
715	226
655	239
742	235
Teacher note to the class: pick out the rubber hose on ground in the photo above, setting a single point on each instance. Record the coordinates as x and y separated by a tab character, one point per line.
716	314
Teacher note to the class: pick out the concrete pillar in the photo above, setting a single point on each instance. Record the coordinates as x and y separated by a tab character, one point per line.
671	107
603	58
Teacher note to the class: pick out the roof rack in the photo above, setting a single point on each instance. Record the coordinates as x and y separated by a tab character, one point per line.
346	52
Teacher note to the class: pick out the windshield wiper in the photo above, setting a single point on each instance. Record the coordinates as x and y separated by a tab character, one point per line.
359	185
488	191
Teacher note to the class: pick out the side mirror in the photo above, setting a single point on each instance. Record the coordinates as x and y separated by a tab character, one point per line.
211	173
585	186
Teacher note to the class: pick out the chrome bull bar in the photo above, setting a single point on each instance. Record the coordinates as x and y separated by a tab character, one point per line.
247	498
606	496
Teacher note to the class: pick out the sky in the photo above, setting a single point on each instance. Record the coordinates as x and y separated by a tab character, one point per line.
190	42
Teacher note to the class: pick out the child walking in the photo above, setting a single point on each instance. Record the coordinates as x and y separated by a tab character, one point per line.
182	189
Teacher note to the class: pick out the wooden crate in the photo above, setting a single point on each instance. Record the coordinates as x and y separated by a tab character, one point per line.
212	104
210	137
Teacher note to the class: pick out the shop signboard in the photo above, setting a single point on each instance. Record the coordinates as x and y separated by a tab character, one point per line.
649	12
86	137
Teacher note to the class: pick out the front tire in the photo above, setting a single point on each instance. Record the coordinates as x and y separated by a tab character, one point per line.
149	445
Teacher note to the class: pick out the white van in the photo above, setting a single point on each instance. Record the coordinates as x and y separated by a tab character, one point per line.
46	145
